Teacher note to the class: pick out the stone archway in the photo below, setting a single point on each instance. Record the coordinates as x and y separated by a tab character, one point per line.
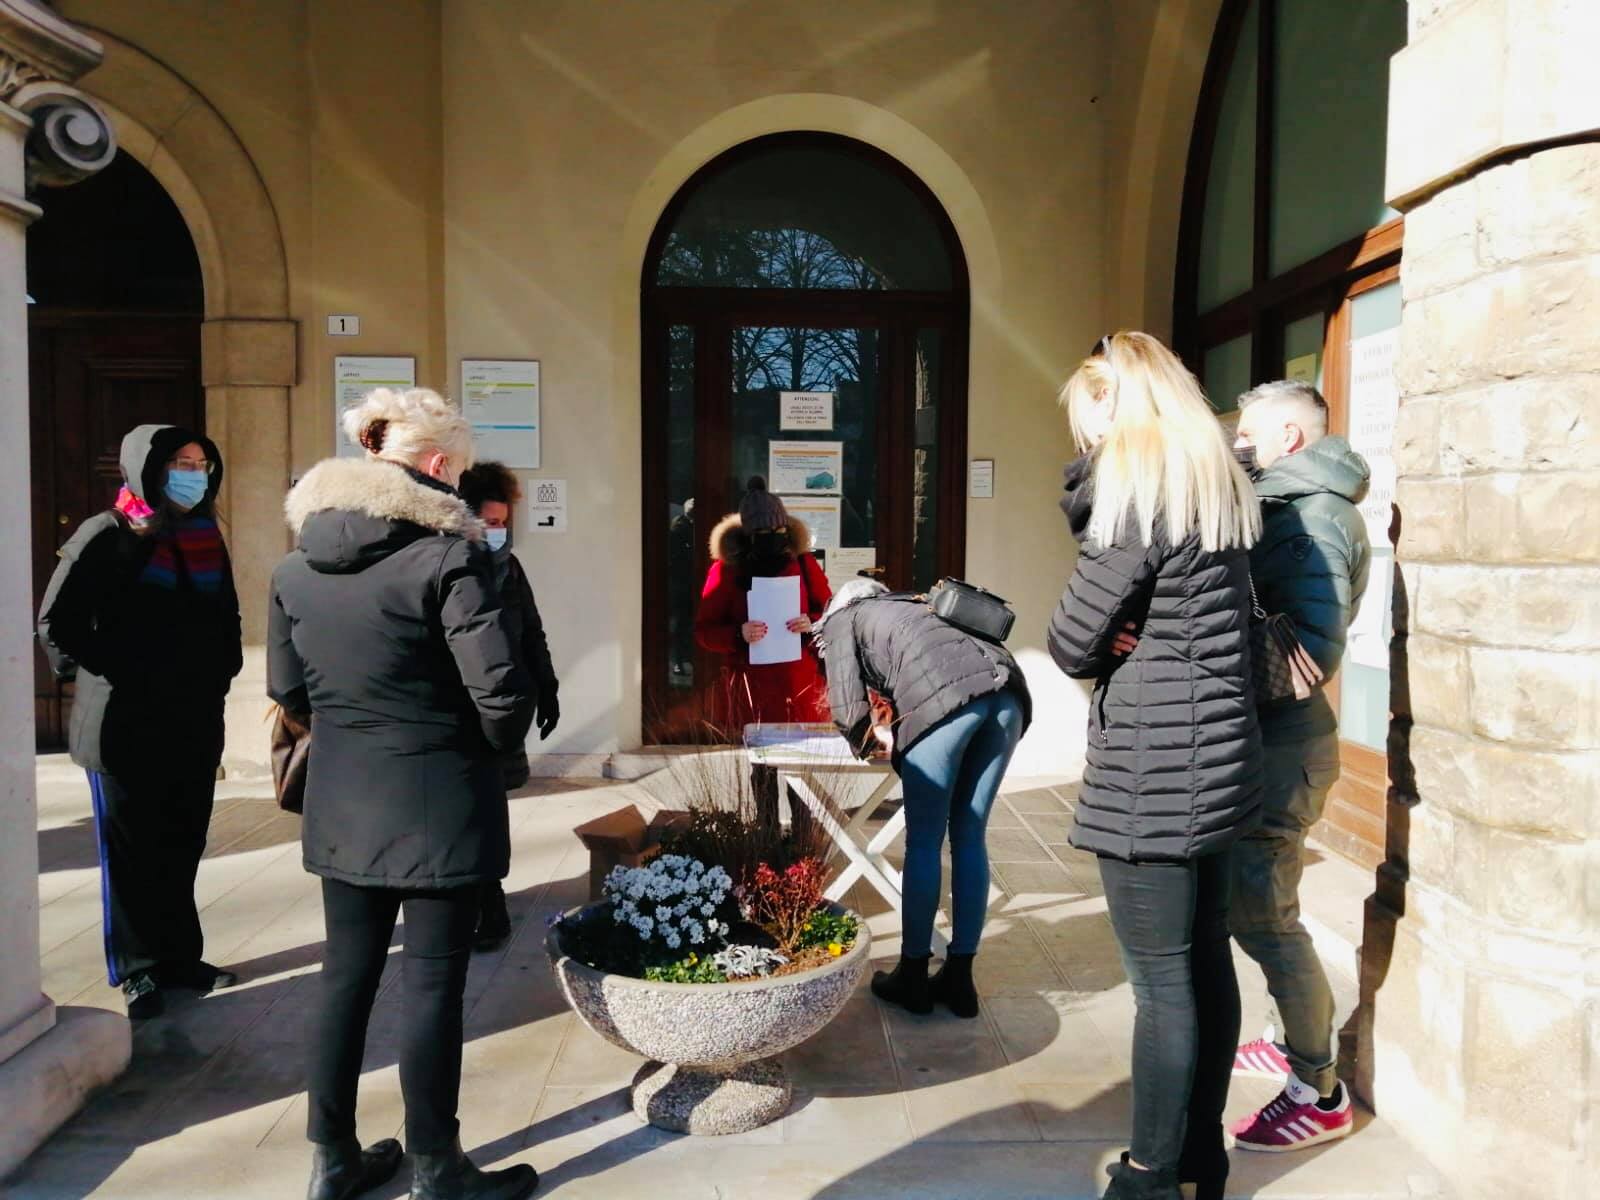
248	341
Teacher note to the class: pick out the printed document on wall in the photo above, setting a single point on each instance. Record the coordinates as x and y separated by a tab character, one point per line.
1374	405
805	467
354	375
821	516
775	602
501	399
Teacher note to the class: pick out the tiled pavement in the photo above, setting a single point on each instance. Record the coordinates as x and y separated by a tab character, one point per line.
1030	1101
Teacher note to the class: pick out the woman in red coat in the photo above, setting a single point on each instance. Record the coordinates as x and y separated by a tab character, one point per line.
761	539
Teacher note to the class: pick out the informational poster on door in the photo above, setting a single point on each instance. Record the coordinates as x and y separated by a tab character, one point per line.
821	515
501	399
1369	635
1303	368
356	375
804	411
1374	404
547	505
797	468
845	563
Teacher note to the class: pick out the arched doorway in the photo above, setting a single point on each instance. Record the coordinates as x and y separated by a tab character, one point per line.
116	303
805	315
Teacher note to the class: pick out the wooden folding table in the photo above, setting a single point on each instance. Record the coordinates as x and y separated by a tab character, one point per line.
803	757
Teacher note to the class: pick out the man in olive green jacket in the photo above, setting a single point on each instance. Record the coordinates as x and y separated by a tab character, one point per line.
1311	563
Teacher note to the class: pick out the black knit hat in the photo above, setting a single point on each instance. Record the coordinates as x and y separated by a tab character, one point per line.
760	509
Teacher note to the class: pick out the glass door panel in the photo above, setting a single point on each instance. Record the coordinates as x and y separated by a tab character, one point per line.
1371	404
805	414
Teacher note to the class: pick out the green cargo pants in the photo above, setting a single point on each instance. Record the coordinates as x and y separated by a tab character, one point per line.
1265	913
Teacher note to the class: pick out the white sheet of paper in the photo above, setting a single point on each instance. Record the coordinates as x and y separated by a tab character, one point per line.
775	602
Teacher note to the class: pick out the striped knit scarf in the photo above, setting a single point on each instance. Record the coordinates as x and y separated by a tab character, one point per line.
191	547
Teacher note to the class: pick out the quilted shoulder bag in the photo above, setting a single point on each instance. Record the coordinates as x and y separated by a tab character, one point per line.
1280	666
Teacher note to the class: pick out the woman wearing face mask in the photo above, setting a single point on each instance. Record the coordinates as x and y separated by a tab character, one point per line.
491	491
762	540
1157	614
142	612
385	625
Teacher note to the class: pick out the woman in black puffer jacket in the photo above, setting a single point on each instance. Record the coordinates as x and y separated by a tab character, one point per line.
386	627
1157	615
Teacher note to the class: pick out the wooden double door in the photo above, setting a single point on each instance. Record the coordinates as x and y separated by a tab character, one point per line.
873	462
92	378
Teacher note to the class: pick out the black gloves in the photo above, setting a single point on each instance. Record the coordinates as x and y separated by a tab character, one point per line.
547	714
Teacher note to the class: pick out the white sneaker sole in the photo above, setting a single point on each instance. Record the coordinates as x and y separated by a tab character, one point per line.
1328	1135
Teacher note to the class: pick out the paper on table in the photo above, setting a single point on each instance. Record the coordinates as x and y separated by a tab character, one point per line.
775	602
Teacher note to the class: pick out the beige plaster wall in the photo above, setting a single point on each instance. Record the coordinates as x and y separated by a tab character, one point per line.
479	178
568	126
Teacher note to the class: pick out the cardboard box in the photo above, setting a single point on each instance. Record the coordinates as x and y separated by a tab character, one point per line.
623	839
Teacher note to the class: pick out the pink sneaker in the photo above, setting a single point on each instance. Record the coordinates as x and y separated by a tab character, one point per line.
1261	1059
1293	1121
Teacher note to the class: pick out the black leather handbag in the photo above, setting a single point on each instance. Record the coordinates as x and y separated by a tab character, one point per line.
972	609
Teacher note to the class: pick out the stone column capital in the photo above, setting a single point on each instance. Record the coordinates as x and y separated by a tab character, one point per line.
40	55
37	43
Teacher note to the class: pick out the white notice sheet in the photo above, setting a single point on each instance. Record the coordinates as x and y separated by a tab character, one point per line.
775	602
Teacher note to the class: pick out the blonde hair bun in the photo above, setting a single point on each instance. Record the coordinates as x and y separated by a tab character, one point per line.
408	425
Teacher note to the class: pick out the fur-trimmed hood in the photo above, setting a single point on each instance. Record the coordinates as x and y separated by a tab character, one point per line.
729	541
350	512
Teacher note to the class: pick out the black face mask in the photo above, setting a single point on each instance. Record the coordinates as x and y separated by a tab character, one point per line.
1247	459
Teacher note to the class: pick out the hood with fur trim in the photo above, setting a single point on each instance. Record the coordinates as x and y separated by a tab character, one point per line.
729	541
349	513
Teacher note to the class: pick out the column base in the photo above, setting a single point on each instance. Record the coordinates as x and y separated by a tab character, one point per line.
52	1077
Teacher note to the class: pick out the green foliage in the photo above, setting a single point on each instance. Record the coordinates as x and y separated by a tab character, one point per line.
692	969
825	928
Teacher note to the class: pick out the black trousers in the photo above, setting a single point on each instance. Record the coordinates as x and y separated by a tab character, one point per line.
1171	920
438	944
151	833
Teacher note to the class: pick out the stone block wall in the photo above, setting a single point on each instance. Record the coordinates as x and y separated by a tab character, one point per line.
1485	986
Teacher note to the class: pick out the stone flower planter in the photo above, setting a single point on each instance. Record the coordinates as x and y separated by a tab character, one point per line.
711	1046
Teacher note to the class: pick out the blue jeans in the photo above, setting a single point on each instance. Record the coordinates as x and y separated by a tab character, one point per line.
951	776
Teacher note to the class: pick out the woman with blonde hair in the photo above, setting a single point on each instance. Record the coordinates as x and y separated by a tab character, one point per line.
1157	615
385	627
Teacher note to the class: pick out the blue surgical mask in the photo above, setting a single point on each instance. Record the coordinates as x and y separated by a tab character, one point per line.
497	538
187	488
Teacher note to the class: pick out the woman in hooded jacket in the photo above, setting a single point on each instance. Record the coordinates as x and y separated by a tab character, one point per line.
142	612
492	492
385	625
1157	615
762	540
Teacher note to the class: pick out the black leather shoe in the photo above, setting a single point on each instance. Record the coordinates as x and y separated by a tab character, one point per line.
906	985
196	976
450	1175
342	1170
952	986
143	997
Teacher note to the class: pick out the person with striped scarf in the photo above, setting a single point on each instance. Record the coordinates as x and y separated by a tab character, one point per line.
142	613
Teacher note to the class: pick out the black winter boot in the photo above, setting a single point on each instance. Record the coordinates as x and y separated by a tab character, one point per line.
1206	1167
906	985
952	986
494	919
341	1170
450	1175
1130	1183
